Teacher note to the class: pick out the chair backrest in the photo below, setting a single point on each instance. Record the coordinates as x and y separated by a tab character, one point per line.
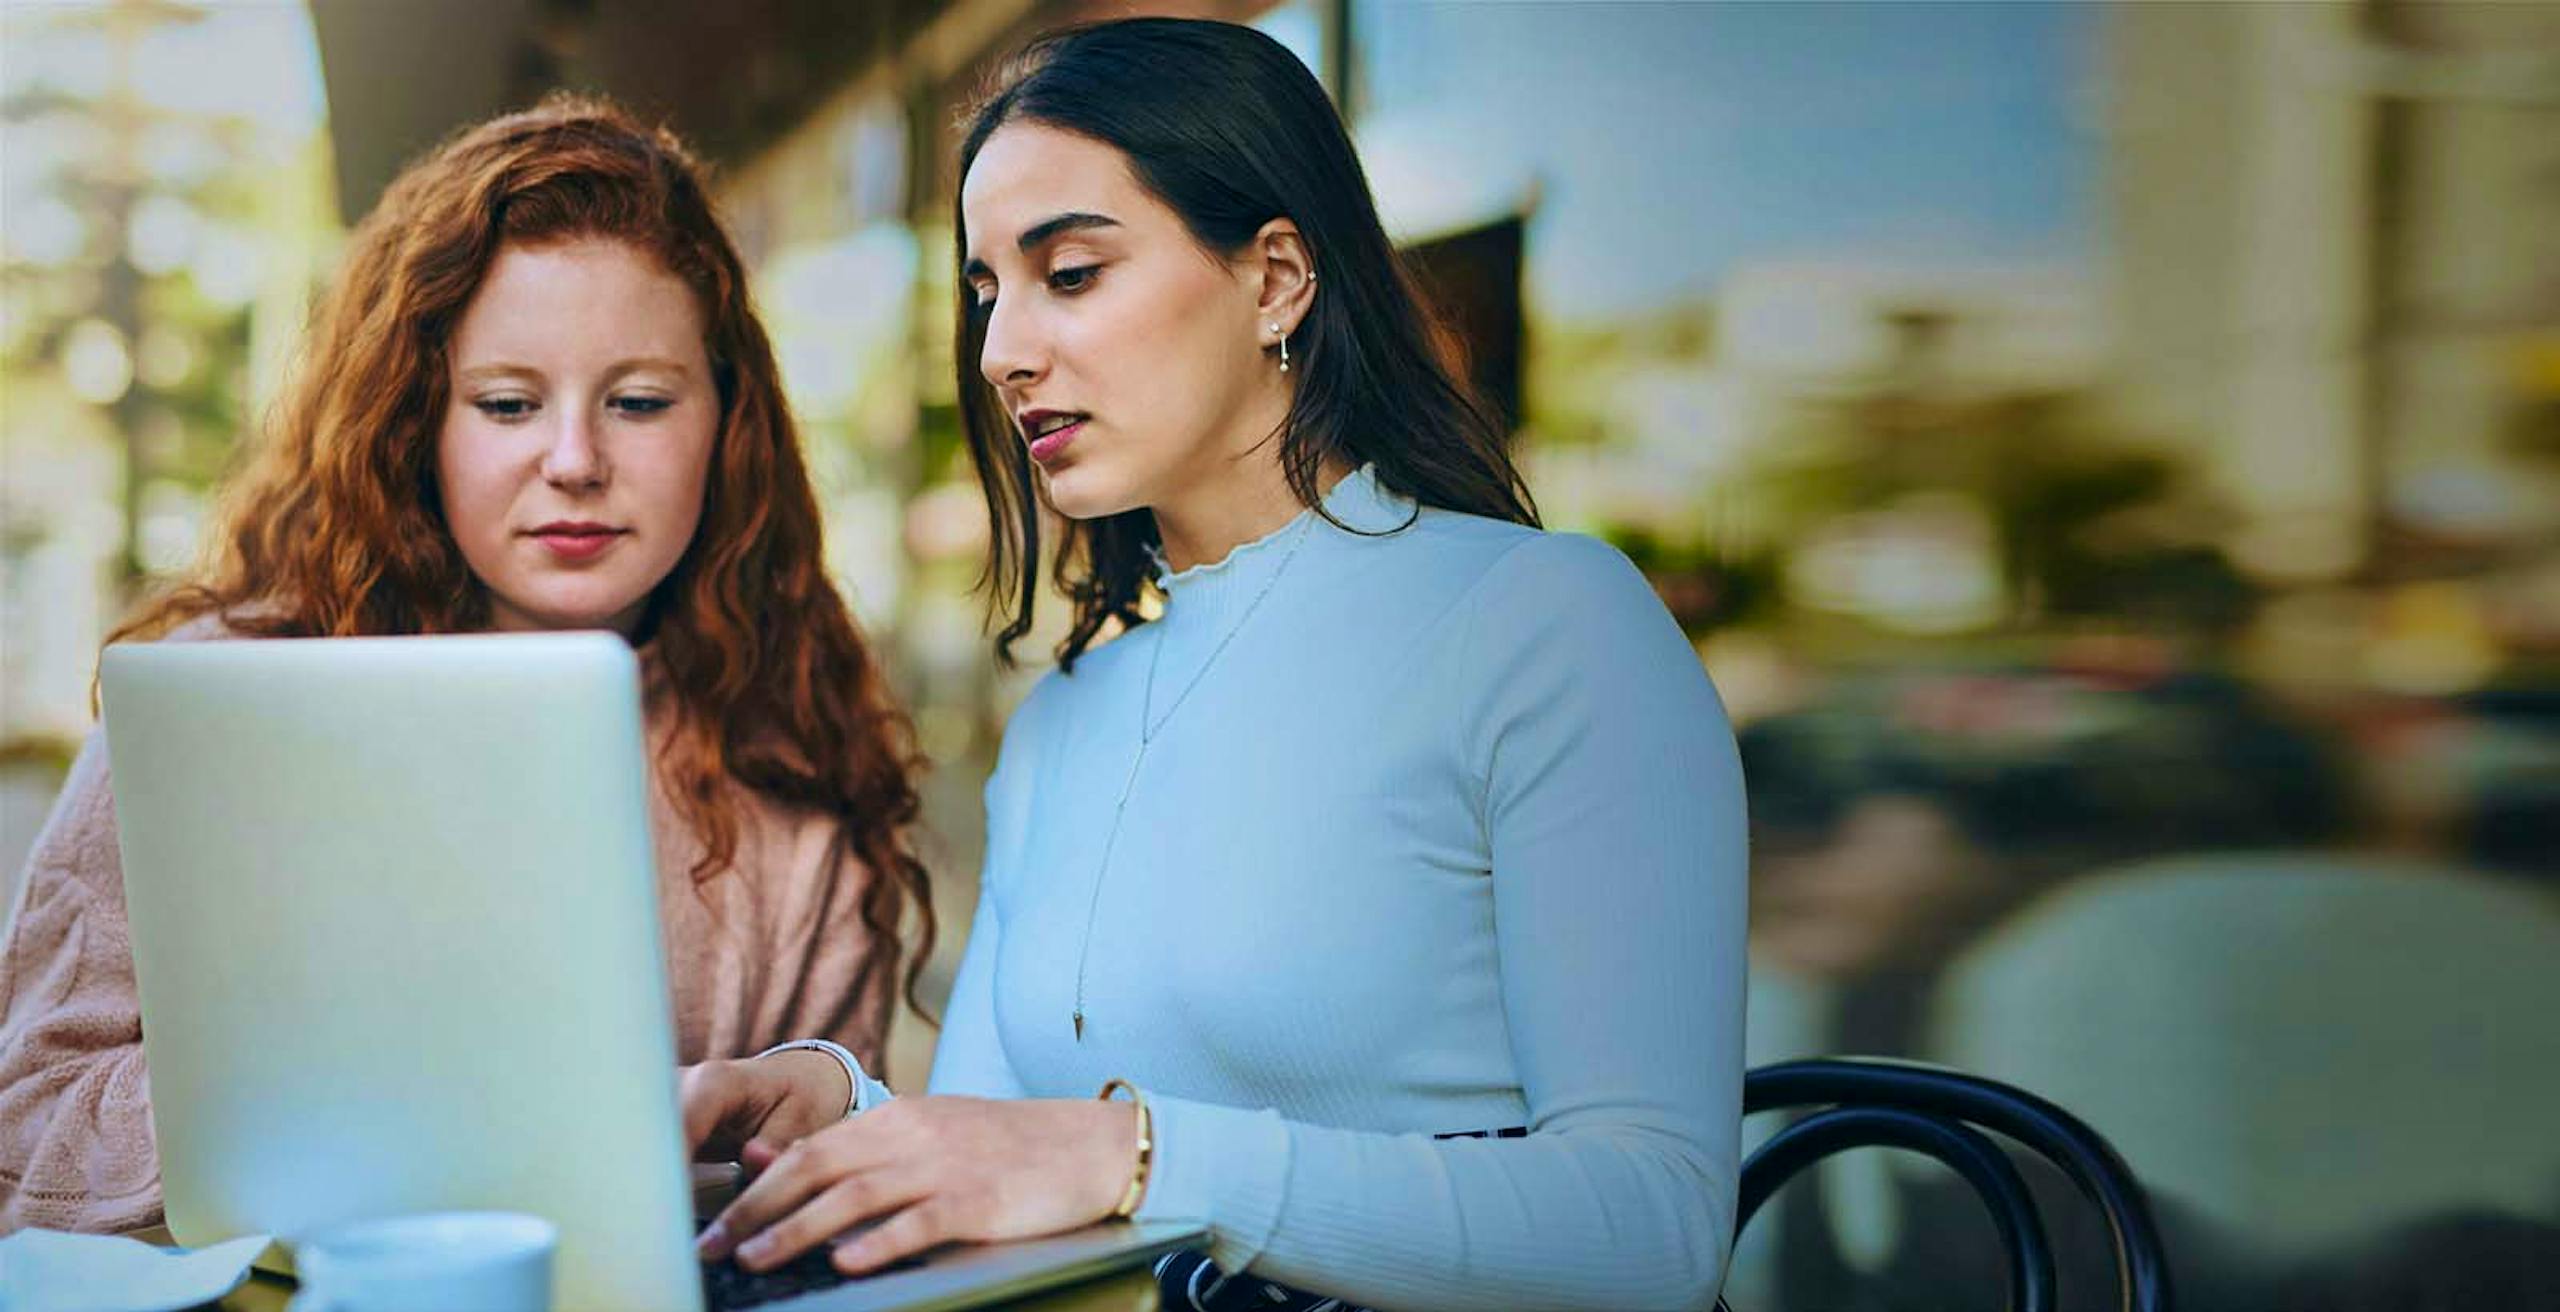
1943	1114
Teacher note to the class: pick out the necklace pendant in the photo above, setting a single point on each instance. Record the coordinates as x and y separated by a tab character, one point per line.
1079	1024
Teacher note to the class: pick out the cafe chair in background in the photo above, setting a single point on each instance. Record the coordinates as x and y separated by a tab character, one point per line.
1943	1114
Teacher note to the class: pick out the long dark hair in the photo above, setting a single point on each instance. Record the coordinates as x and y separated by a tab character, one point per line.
1230	131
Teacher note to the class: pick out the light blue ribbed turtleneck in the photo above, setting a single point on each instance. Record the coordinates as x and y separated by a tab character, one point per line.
1449	838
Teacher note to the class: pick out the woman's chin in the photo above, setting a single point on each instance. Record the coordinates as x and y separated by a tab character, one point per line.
1078	491
565	614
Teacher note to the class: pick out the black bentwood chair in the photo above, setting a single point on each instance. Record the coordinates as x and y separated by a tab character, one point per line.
1943	1113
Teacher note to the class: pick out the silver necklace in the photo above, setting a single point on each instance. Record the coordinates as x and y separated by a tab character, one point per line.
1149	725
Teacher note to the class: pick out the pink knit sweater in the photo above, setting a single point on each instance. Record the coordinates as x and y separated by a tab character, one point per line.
772	949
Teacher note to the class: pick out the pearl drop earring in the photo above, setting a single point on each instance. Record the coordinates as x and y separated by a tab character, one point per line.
1284	346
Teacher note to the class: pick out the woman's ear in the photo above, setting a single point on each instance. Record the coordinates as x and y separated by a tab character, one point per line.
1288	272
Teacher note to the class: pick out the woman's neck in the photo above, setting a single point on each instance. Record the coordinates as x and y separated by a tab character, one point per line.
1206	523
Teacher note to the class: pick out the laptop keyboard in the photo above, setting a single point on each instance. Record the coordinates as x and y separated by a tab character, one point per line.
727	1286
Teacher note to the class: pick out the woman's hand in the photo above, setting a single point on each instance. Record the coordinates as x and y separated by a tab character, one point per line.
777	1100
930	1171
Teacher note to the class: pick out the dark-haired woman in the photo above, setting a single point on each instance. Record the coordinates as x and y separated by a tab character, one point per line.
1398	866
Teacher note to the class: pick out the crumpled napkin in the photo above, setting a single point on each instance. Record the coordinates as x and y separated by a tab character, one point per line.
49	1271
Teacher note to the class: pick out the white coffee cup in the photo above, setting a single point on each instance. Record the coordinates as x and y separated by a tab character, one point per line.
434	1262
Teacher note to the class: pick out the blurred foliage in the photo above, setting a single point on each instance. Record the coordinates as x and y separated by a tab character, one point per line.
142	206
2085	521
2533	429
1703	588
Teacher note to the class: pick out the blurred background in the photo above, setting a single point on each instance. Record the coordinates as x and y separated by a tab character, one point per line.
2108	457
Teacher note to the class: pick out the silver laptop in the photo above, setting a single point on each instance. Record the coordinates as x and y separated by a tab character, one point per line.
395	930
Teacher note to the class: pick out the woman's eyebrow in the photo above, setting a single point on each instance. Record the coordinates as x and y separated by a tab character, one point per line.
1074	221
1044	230
661	363
487	372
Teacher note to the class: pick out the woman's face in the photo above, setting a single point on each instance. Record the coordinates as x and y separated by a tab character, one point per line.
1131	359
577	437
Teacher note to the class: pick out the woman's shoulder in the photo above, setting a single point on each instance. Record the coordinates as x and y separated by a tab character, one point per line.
1056	690
1054	693
1576	562
1569	602
1518	567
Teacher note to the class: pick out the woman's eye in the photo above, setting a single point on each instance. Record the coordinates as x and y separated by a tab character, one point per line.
642	405
504	407
1071	281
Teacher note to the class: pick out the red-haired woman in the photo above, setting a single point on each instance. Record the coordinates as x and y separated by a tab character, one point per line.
535	398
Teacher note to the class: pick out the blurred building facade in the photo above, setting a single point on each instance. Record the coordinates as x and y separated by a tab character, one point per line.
2335	235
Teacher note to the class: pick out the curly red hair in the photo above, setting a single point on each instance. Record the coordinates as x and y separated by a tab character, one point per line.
335	527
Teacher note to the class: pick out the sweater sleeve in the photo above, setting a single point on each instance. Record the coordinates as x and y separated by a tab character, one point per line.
1613	813
76	1146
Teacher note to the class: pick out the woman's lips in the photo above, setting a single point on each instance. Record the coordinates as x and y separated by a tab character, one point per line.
1047	446
577	543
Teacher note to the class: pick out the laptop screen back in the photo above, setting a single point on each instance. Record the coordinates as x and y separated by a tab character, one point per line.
395	929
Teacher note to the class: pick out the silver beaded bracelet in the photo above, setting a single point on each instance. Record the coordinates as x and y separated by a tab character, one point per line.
852	1068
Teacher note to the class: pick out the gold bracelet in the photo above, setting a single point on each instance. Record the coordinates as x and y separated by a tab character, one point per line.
1136	1193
